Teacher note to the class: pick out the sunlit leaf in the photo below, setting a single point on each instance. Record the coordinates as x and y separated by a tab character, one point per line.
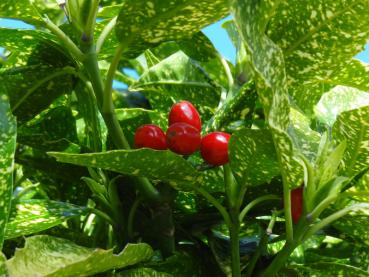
32	216
51	256
309	56
252	156
143	162
7	150
338	100
178	78
353	126
157	21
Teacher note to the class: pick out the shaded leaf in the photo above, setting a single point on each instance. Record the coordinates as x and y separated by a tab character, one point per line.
239	106
32	216
329	269
40	68
7	150
252	157
139	272
355	227
143	162
46	133
51	256
178	78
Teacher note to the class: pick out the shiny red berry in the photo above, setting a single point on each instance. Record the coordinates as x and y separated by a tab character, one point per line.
296	204
150	136
183	138
214	148
185	112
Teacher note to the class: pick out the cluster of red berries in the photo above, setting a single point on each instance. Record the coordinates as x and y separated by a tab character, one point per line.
184	136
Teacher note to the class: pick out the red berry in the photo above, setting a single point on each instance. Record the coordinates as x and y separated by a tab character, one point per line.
214	148
296	204
150	136
183	138
185	112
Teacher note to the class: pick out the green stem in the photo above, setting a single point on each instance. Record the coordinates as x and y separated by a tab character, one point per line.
228	72
279	260
69	44
235	245
311	217
106	106
310	184
64	71
215	203
131	217
91	20
287	212
104	34
329	219
107	103
102	215
232	188
254	202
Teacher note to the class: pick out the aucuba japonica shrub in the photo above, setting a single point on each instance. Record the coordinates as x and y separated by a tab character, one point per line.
201	167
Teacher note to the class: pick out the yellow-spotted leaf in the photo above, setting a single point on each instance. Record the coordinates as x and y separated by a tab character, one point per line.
7	150
34	215
51	256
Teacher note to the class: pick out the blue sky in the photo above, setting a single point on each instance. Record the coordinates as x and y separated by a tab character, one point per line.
215	33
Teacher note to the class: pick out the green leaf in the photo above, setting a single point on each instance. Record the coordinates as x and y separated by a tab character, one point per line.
32	216
353	126
338	100
354	226
39	68
239	106
46	133
178	78
8	129
139	272
252	157
20	9
64	258
329	269
304	138
267	60
3	268
309	56
155	21
143	162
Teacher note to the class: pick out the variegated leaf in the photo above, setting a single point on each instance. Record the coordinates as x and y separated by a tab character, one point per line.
267	60
156	21
8	132
51	256
153	164
353	126
304	138
309	55
253	157
338	100
32	216
20	9
179	78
